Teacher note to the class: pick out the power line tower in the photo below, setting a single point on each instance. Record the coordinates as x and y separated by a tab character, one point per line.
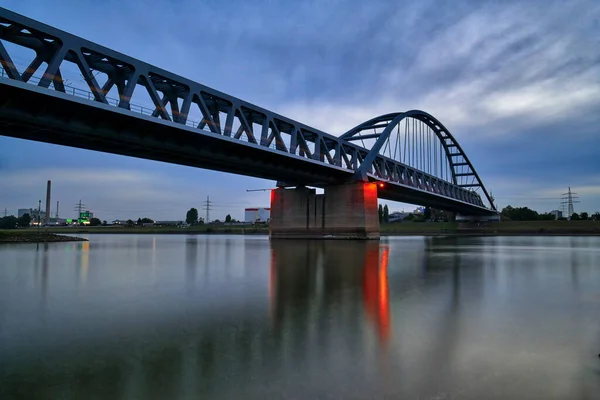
207	209
568	200
5	212
79	207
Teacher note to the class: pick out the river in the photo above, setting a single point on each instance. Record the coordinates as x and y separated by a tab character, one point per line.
190	317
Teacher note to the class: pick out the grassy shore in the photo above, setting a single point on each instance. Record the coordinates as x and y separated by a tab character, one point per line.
198	229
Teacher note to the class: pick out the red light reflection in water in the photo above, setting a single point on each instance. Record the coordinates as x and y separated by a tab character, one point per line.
375	290
272	283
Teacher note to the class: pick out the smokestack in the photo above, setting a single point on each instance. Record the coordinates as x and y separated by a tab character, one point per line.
57	210
48	193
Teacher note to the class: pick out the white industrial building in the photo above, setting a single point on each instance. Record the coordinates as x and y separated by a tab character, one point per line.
258	214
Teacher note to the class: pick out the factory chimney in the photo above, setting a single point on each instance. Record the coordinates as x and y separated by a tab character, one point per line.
48	193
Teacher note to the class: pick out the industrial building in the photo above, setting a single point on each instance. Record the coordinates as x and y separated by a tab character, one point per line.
33	213
557	214
257	215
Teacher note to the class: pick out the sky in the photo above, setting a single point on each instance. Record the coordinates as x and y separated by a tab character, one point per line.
516	82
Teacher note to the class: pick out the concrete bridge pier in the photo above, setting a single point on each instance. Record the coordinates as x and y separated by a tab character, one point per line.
345	211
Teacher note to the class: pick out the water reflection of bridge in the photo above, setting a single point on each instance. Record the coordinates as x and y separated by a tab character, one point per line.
314	289
318	278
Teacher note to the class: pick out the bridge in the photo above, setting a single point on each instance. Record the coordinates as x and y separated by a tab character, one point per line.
122	105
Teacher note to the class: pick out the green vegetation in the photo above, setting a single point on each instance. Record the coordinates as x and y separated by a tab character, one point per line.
9	222
24	220
95	222
191	217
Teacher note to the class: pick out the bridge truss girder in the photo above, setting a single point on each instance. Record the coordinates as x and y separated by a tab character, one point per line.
176	99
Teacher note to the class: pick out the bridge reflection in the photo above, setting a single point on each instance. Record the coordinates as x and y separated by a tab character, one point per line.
309	273
320	296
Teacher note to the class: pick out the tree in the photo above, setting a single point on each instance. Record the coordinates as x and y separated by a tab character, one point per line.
95	222
228	218
519	213
386	213
427	213
130	222
380	213
596	216
24	220
9	222
547	217
104	223
584	216
191	217
145	220
575	217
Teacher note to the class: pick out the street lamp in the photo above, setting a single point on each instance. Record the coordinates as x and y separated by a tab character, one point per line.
38	215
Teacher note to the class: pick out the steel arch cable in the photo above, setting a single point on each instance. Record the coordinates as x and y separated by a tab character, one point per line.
405	138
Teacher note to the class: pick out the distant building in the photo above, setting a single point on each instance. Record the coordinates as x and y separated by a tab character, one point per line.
397	216
258	214
557	214
33	213
85	217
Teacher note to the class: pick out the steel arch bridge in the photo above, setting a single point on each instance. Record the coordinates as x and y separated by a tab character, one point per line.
59	88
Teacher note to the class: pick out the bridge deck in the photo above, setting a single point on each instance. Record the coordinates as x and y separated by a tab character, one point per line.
33	113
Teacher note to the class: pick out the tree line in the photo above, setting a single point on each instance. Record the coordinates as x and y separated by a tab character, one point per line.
527	214
192	218
12	222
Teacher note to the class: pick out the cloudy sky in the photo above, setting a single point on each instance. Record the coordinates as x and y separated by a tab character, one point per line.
516	82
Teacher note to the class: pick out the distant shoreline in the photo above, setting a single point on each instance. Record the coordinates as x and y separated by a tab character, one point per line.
432	229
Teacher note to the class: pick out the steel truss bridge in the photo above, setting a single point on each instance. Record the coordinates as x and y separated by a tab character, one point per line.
73	92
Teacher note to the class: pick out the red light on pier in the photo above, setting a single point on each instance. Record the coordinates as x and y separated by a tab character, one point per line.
381	185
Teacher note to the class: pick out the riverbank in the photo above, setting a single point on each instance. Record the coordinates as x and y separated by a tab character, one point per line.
505	228
28	236
192	230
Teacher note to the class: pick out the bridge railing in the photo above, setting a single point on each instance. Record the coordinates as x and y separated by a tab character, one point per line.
86	94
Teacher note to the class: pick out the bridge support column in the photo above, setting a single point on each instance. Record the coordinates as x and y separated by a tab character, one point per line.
346	211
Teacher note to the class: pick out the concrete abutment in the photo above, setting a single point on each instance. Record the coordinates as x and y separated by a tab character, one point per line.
345	211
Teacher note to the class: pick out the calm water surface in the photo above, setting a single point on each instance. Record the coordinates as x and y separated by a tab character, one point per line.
190	317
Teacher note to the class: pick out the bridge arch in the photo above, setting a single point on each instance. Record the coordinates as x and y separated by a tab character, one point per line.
462	173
